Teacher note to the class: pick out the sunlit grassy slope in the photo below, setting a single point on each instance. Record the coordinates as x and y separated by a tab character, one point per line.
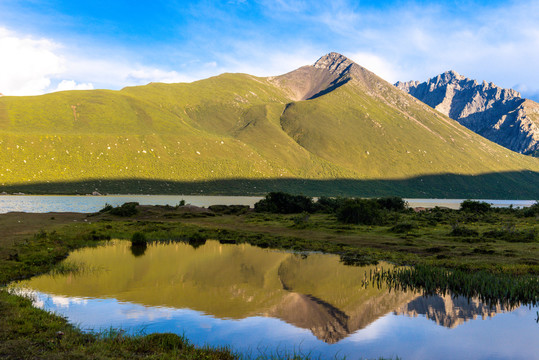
238	126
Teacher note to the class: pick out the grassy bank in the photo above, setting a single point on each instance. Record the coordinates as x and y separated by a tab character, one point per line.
30	333
448	247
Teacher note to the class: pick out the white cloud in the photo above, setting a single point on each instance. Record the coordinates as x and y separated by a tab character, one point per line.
255	59
378	65
72	85
27	64
143	75
118	73
31	66
405	41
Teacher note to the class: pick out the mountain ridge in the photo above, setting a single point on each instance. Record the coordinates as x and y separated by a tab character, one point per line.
501	115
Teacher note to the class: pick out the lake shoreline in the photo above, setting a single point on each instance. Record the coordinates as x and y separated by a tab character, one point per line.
90	203
34	243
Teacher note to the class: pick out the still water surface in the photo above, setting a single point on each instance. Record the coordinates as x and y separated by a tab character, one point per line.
261	301
89	204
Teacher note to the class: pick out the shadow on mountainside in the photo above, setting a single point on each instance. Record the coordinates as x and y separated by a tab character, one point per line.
506	185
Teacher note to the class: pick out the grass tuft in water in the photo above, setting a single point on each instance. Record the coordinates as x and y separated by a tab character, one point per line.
505	290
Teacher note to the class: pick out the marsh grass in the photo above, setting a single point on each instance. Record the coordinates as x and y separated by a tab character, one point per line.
505	290
66	268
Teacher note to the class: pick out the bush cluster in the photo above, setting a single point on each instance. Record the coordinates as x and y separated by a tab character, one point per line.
531	211
283	203
125	210
350	211
360	211
138	239
458	230
475	206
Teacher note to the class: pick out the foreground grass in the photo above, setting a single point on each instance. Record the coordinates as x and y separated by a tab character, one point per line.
492	255
30	333
27	332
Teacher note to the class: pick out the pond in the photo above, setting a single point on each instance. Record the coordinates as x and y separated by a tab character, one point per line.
269	302
90	204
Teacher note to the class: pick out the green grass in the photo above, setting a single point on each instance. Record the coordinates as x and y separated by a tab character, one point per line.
30	333
236	126
443	262
27	332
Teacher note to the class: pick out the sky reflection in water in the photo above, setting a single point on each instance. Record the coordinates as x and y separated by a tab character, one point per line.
323	311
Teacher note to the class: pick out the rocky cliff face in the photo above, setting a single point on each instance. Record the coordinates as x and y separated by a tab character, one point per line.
500	115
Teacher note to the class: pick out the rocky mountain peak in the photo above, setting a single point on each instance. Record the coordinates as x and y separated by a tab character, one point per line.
491	111
449	77
335	63
326	74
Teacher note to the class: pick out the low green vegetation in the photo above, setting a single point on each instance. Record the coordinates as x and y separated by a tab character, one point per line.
138	239
124	210
475	206
491	254
504	290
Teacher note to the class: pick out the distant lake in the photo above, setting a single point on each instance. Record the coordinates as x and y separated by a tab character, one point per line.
262	301
89	204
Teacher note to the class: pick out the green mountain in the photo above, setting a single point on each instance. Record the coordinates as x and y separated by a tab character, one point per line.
236	133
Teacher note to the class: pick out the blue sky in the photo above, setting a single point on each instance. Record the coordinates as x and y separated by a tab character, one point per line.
49	45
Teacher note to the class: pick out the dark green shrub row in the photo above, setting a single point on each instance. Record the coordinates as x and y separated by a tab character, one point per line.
475	206
125	210
283	203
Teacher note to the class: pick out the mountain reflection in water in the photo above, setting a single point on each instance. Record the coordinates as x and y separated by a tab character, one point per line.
315	292
450	311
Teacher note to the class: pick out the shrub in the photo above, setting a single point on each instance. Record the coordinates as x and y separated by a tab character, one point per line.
512	235
463	231
301	221
329	205
138	239
475	206
127	209
392	203
531	211
360	211
403	227
196	240
283	203
107	207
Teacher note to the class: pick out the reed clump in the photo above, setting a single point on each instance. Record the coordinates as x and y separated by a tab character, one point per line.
490	288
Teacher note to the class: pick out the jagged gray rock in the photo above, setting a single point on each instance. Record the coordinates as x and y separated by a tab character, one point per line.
500	115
